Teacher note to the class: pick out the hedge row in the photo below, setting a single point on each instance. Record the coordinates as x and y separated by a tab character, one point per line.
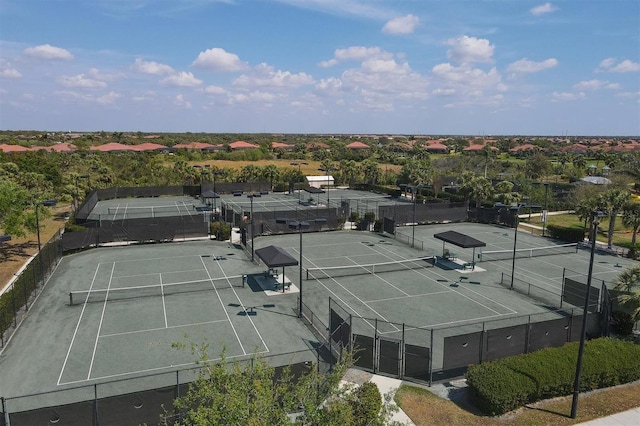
506	384
570	235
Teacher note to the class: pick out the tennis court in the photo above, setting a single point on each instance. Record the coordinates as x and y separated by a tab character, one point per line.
114	313
127	208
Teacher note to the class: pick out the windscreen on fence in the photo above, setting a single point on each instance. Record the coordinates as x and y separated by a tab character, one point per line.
405	212
84	210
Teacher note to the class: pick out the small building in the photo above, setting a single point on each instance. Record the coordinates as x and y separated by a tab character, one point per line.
320	181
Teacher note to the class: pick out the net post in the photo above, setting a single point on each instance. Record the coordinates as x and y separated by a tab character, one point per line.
562	289
70	299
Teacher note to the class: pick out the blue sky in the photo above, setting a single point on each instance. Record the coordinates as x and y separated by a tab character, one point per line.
494	67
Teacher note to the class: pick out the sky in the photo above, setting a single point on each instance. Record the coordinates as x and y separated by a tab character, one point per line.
414	67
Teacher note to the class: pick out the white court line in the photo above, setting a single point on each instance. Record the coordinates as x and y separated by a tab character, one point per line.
417	271
104	307
164	305
116	212
124	333
382	279
223	308
242	306
408	296
433	326
356	297
75	332
149	370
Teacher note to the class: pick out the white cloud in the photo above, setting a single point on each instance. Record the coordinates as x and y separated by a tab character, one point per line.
629	95
542	9
81	81
257	97
180	101
567	96
595	85
401	25
109	98
181	79
444	92
387	78
218	59
215	90
153	68
96	74
264	75
356	53
329	87
11	73
46	51
527	66
467	49
608	65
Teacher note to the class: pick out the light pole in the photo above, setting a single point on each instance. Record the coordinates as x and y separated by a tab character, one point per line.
251	213
516	211
75	195
298	225
215	194
46	203
545	213
299	164
576	384
327	170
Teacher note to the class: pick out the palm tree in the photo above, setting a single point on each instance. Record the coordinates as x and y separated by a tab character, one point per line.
628	282
349	170
371	171
270	172
584	208
505	193
478	187
611	202
579	162
631	219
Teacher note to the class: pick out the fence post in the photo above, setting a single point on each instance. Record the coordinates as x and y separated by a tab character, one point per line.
15	307
431	359
562	289
96	421
3	418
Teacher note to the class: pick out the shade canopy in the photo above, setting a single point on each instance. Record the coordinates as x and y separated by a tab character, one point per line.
275	257
460	240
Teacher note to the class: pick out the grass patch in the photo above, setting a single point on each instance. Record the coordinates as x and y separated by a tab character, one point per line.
426	408
621	234
16	252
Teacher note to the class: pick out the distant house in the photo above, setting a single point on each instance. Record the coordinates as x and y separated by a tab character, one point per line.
151	147
282	146
476	148
576	148
199	146
317	146
242	145
10	149
112	147
435	147
523	149
357	145
58	147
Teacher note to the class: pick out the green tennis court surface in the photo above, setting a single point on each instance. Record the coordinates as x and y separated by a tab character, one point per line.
114	313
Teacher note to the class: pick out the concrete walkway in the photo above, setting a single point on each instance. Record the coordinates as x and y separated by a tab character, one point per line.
626	418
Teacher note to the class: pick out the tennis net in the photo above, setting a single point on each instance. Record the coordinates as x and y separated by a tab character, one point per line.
151	209
155	290
372	268
488	256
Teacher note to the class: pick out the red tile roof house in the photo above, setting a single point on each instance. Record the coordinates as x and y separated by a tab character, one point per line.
435	147
242	145
9	149
282	146
475	148
58	147
317	146
357	145
199	146
112	147
151	147
524	149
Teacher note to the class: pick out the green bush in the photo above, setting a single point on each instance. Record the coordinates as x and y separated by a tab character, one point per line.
570	235
506	384
221	231
366	404
622	323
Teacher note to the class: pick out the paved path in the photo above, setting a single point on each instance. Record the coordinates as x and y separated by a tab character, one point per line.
626	418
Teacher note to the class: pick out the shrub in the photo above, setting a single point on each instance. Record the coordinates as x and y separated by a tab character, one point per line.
506	384
570	235
221	231
622	323
366	404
